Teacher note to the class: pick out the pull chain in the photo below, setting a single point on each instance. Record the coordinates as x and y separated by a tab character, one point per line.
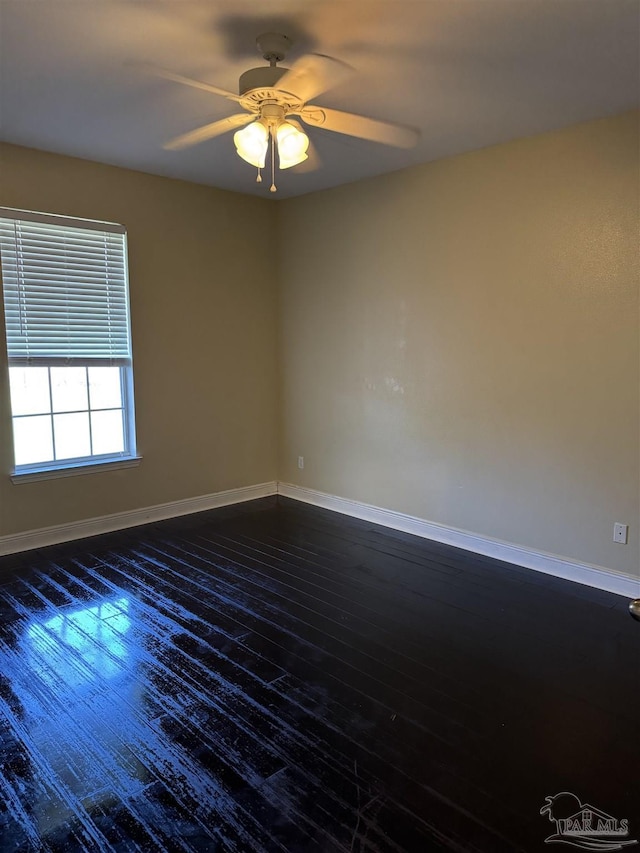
259	178
273	187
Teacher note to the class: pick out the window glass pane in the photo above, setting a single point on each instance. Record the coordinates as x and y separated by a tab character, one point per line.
72	435
104	388
106	432
68	389
32	440
29	390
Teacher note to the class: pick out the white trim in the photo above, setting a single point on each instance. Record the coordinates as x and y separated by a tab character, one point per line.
595	576
74	470
118	521
58	219
550	564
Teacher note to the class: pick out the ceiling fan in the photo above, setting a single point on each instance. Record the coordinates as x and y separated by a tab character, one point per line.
271	96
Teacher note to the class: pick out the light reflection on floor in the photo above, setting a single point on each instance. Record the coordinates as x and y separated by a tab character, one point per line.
80	647
78	661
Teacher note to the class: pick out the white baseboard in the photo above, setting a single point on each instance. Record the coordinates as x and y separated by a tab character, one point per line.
595	576
550	564
118	521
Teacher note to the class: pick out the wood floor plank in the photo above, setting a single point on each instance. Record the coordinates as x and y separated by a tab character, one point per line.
275	677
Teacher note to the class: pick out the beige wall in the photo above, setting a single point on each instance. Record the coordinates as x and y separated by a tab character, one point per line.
203	326
459	341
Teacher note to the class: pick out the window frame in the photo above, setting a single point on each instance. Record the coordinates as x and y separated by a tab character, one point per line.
54	468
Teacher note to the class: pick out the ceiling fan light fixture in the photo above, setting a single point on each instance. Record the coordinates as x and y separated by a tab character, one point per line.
292	145
252	143
271	95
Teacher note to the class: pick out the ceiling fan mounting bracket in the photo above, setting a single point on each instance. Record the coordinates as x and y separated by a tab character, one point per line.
273	46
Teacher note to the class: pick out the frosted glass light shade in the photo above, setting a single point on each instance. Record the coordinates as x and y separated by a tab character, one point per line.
292	145
252	143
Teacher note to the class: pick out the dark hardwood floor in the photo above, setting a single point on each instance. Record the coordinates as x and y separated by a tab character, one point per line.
275	677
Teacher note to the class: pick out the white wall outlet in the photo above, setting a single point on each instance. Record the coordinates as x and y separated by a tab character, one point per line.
300	461
620	532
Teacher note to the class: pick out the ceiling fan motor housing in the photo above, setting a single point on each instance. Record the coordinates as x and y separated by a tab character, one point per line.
263	77
258	85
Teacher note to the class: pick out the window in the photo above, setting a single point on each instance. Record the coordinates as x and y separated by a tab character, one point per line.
68	341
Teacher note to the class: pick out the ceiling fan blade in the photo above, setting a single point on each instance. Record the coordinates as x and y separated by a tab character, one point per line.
313	74
208	131
360	126
186	81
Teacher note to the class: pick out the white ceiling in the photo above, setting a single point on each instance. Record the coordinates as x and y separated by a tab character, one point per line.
467	73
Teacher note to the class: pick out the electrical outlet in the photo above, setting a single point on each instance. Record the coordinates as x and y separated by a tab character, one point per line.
300	461
620	533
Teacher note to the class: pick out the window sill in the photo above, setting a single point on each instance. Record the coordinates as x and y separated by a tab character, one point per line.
74	470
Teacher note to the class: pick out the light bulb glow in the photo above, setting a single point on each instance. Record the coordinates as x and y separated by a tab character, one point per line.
292	145
252	143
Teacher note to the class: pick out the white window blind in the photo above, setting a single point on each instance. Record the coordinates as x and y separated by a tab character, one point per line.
65	290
